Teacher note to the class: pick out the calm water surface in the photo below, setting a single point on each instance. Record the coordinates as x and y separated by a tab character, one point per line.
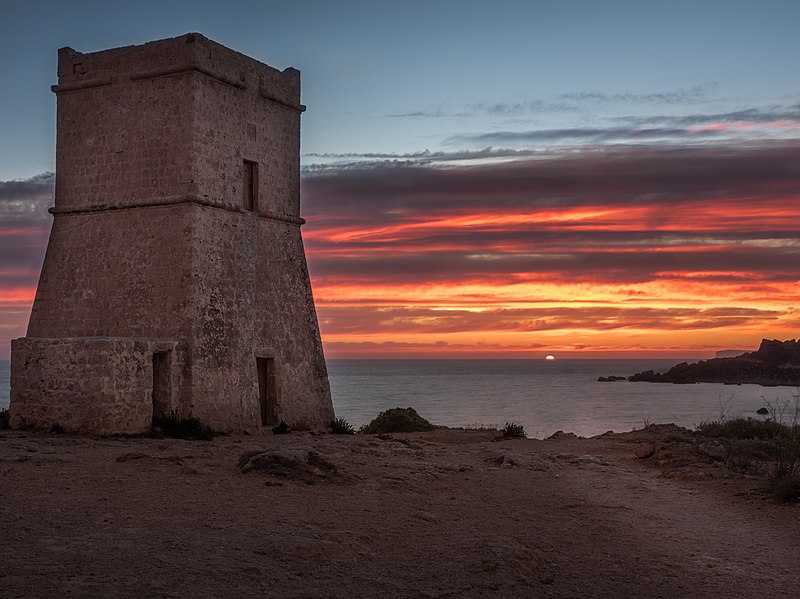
543	396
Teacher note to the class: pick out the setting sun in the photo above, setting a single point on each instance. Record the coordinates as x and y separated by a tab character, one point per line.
550	357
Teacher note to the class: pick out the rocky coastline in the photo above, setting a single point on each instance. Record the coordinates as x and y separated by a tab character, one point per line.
774	363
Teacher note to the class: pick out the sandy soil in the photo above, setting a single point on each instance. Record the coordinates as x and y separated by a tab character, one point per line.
443	514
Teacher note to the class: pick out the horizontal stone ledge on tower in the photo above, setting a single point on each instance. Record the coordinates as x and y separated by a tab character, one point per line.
271	98
79	85
184	68
157	343
174	201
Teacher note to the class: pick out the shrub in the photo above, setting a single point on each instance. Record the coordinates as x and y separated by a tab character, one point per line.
743	428
397	420
340	426
281	429
513	430
181	428
751	441
3	419
786	459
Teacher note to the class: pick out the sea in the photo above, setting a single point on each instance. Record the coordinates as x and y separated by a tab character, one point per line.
543	396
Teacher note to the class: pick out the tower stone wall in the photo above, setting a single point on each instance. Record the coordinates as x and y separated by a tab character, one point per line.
175	249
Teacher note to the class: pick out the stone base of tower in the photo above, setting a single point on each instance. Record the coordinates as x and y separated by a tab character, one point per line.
117	385
97	385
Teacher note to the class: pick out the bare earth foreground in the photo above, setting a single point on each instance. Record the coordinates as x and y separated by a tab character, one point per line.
442	514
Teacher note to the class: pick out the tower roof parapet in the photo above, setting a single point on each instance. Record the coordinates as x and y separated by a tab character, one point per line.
191	52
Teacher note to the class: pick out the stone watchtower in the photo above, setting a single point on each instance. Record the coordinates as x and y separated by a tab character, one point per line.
175	277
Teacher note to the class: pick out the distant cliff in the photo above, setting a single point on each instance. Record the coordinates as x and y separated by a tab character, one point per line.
730	353
773	363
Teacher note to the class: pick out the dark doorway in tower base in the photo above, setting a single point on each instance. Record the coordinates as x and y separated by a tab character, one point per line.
267	399
161	376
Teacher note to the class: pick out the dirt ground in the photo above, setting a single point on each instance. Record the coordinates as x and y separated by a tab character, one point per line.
442	514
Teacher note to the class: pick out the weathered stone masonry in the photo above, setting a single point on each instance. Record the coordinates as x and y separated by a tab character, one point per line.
175	276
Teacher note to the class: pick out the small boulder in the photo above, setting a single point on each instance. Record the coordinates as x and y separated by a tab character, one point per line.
644	450
762	411
302	464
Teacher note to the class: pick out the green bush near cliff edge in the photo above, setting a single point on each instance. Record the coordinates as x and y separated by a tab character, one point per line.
397	420
3	419
513	430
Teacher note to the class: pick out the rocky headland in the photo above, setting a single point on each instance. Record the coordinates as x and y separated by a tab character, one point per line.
773	363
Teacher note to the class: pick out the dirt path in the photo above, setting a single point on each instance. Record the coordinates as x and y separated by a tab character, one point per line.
436	516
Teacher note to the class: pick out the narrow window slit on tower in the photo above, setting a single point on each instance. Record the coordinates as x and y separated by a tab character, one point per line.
250	185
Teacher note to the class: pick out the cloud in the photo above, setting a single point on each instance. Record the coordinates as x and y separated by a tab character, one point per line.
24	228
339	162
772	114
417	114
412	320
435	349
590	135
566	102
568	266
751	123
682	96
24	203
434	113
521	107
36	188
664	241
773	121
594	176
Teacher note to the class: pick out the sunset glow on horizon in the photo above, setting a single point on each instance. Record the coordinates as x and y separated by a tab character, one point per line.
623	255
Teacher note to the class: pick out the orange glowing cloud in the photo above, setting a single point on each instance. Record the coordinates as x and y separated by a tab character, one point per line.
22	296
607	252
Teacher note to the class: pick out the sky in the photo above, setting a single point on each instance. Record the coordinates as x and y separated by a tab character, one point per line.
506	179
